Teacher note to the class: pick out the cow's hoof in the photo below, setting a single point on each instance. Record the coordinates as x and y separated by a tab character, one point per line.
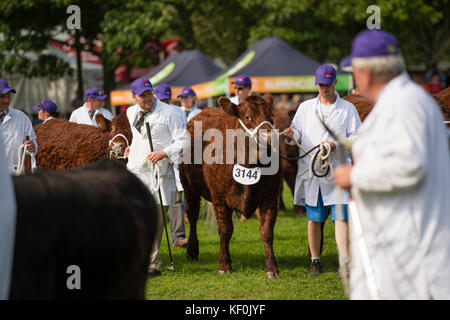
224	271
271	275
191	257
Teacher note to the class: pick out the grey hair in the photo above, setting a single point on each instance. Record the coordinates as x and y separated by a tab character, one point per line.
383	68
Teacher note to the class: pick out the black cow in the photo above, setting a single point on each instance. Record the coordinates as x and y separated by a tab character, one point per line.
99	218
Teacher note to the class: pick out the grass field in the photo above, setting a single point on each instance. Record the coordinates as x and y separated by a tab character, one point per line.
199	280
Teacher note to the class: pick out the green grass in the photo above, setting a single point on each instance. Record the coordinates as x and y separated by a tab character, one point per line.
199	280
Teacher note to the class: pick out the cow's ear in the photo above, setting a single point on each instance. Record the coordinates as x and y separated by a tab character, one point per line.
269	99
228	106
103	123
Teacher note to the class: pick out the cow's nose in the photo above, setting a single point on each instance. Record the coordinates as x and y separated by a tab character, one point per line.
117	146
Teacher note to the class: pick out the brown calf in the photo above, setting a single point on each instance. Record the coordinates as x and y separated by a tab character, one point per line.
215	182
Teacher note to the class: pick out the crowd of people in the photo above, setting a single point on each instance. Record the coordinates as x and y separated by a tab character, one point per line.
397	173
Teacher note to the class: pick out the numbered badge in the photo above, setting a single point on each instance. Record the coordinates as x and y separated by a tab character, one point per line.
245	175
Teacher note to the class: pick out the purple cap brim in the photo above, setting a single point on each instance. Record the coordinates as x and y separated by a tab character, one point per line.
346	61
37	108
102	97
6	90
328	83
141	91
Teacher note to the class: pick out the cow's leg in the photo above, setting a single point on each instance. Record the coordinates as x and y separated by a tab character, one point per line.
193	208
280	198
267	223
225	226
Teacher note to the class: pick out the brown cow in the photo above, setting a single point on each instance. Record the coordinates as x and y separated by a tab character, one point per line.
64	145
362	104
215	182
443	100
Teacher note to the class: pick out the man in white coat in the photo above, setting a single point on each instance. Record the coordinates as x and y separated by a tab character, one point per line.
169	138
15	128
177	230
320	194
188	98
400	181
93	105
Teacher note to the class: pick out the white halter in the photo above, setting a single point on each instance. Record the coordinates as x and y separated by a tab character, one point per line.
253	132
119	135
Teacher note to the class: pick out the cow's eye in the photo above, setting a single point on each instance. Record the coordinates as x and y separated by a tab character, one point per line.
247	118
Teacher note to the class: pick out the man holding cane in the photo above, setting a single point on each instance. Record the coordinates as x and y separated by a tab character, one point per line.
399	181
155	168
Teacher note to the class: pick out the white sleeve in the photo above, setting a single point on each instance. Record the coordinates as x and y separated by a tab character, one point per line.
353	124
180	137
7	224
296	125
397	159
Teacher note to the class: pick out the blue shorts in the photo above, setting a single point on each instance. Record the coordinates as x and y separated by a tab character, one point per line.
321	212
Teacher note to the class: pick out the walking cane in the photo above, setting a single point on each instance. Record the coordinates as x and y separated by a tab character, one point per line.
160	200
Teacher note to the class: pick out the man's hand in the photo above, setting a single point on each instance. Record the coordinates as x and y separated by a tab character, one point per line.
288	133
343	177
331	143
155	156
30	146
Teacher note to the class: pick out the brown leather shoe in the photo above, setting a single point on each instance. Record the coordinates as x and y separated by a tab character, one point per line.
181	243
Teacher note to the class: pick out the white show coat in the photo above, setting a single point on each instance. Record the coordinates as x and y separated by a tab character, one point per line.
168	134
81	115
7	224
309	132
192	112
401	186
14	129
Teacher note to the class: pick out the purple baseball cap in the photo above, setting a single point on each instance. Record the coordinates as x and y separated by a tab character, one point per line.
186	92
47	105
325	74
242	80
4	87
372	43
94	93
163	91
139	86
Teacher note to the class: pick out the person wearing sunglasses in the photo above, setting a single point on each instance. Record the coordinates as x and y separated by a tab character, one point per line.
242	88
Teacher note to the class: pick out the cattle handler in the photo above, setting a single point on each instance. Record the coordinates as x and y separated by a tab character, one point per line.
169	138
15	127
94	104
320	194
400	180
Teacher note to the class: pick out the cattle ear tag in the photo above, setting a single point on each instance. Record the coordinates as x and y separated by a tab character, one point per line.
247	176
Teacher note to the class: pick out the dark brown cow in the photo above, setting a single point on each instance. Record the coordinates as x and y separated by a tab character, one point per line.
215	182
65	145
100	218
